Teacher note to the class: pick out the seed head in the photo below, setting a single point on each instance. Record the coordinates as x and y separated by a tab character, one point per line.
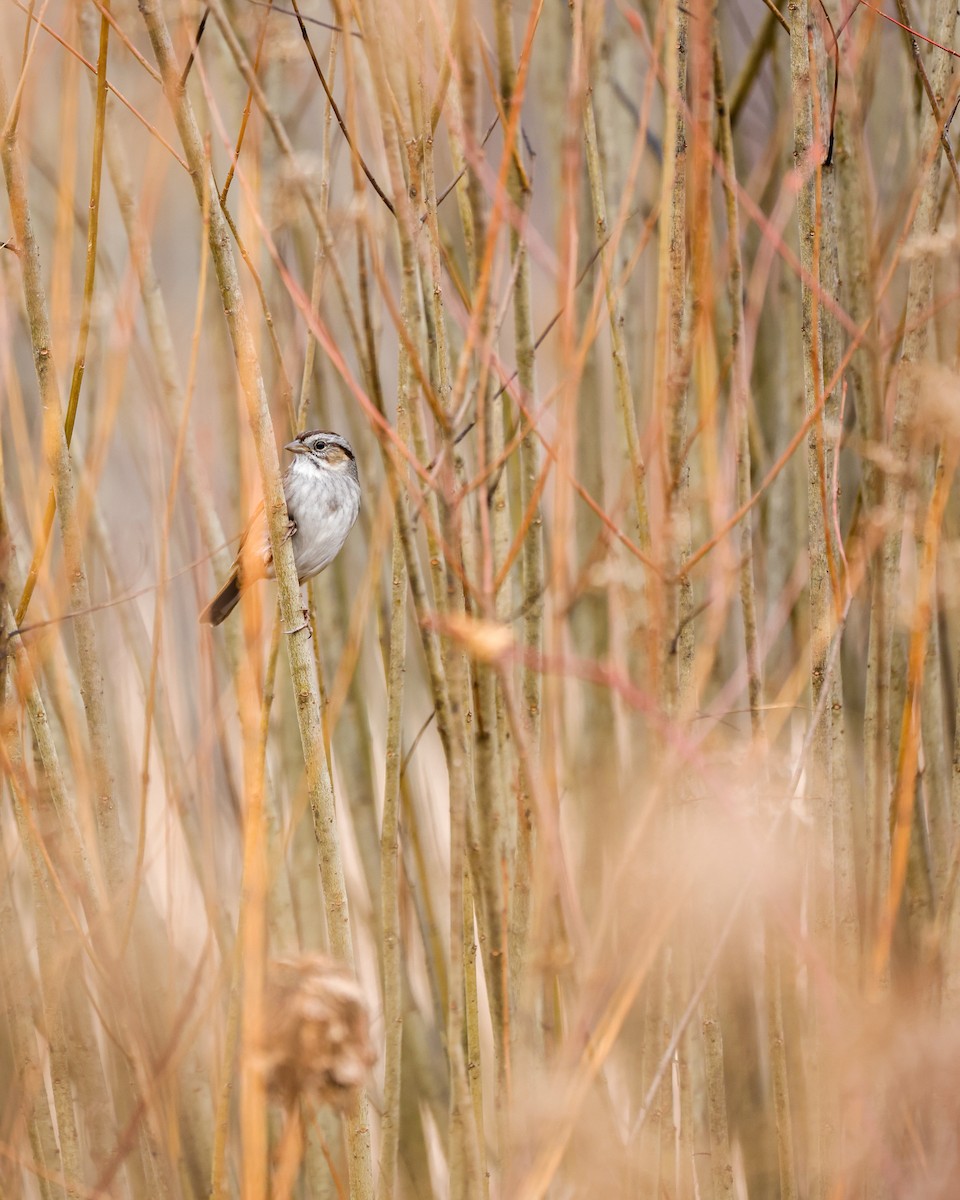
316	1031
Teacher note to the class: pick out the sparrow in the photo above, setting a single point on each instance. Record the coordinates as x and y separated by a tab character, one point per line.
322	491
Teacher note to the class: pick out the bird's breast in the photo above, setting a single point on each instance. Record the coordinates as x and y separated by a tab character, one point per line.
324	506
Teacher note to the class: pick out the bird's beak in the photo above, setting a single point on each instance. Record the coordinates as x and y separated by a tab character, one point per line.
296	447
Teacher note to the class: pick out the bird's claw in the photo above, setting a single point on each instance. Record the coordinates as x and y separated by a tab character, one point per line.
305	625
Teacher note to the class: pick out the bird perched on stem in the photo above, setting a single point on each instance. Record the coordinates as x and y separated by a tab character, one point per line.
322	490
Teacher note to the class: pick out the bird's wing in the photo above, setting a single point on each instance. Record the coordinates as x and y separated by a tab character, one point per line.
255	556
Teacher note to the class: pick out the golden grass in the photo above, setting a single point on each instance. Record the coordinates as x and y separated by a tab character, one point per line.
614	771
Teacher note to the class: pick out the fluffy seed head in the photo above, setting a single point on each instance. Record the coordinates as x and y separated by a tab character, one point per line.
316	1038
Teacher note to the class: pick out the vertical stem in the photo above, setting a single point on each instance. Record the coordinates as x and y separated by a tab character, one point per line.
669	384
621	367
305	686
748	600
61	467
531	567
864	370
90	271
669	389
808	153
390	828
914	352
19	1002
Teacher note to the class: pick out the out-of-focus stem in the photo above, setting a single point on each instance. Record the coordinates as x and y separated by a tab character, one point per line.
846	918
390	831
301	663
531	563
58	458
472	1030
309	356
910	724
451	686
808	152
750	68
231	1038
740	395
65	1156
703	103
18	991
90	271
786	1154
51	990
621	366
668	387
158	325
916	476
864	371
672	640
317	215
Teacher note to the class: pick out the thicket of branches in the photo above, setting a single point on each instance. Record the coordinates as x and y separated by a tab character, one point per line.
617	755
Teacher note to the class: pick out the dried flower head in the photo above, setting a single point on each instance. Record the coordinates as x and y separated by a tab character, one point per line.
316	1031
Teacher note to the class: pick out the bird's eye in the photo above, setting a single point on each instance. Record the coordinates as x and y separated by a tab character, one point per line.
319	446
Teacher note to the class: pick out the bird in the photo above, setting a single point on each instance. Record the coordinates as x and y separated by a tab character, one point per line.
322	490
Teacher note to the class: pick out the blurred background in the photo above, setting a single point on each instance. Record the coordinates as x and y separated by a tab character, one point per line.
603	812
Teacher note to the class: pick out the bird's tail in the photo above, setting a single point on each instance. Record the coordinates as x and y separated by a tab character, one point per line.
223	603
